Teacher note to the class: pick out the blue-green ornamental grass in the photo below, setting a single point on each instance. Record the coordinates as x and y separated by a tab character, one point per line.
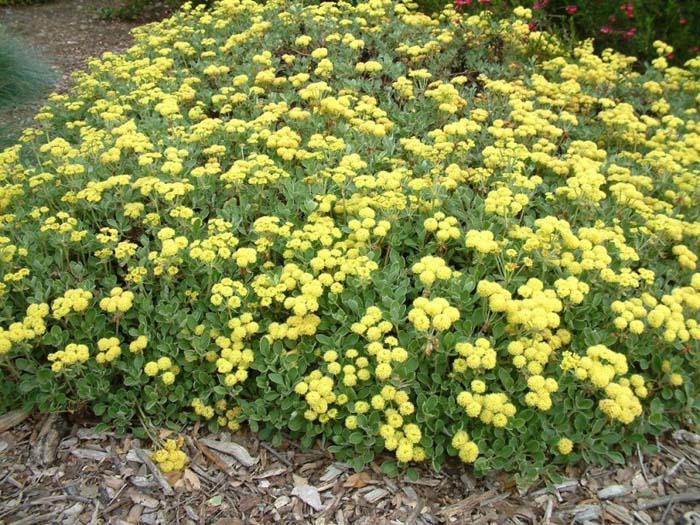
405	238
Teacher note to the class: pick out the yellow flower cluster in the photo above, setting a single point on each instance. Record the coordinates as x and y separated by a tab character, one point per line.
533	353
600	365
482	241
540	390
444	227
480	355
385	356
686	257
431	268
399	436
565	446
621	404
73	353
201	409
119	300
504	202
32	326
538	310
371	325
631	313
492	409
468	450
229	291
572	289
171	457
233	352
165	365
317	390
139	344
109	350
432	313
228	417
76	300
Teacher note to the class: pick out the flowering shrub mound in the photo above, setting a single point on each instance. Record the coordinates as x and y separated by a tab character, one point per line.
406	237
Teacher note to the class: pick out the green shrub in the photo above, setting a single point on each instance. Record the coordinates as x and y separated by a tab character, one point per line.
22	2
360	225
630	27
138	9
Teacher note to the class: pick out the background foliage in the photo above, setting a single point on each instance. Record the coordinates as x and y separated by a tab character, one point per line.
626	26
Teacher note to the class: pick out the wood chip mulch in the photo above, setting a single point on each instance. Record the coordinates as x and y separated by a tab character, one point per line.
55	472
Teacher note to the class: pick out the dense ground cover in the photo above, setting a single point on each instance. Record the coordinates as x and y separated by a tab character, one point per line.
425	237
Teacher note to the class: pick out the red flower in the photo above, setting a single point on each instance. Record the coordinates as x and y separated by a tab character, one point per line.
540	4
460	3
531	25
683	21
669	56
571	9
630	32
612	19
606	29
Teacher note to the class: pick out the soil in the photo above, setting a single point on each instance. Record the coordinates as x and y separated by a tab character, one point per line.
53	470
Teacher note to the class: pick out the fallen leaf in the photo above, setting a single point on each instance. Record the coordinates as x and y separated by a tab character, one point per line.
331	473
270	473
173	477
88	453
228	521
248	502
358	480
238	452
376	494
299	481
12	418
189	482
142	499
215	501
310	496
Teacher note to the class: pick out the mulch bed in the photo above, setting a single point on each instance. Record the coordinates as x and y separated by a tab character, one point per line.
52	471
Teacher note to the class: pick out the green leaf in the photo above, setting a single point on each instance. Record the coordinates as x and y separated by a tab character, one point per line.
390	468
412	474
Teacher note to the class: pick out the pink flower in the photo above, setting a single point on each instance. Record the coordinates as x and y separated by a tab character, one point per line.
612	19
571	9
683	21
460	3
628	8
540	4
630	32
669	56
606	29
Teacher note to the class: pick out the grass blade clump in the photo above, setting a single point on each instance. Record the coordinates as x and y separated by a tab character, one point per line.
23	75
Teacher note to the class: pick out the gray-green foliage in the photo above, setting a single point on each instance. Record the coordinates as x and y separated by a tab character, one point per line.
23	74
